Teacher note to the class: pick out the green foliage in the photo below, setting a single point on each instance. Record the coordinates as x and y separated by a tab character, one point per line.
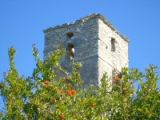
53	93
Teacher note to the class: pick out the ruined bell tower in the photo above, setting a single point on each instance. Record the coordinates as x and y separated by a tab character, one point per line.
94	42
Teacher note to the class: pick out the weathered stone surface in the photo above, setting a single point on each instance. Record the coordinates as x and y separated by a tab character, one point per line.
92	46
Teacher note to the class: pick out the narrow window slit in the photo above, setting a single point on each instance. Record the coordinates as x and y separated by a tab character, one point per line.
70	51
113	47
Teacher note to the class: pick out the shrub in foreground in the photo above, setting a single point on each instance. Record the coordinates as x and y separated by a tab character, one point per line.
53	93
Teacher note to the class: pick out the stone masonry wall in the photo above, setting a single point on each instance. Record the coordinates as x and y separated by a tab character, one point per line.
85	45
109	60
92	45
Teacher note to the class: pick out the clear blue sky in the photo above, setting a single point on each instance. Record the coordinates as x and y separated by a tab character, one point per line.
22	24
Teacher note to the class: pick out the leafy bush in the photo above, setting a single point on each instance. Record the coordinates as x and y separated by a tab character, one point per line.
52	93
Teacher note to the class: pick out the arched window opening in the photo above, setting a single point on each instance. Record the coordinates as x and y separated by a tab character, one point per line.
70	51
70	35
113	47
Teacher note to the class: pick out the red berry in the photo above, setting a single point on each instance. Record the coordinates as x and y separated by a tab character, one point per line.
61	91
46	82
70	93
62	116
93	104
116	78
73	91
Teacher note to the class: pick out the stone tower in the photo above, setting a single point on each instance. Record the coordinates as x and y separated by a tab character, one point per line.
94	42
